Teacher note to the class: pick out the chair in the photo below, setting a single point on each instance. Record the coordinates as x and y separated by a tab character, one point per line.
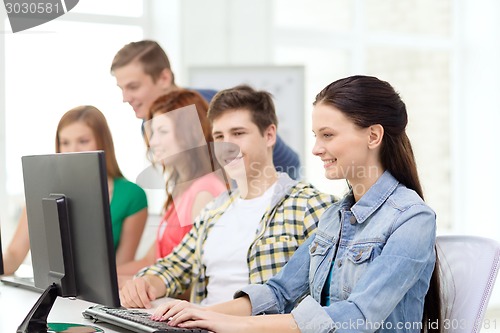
469	267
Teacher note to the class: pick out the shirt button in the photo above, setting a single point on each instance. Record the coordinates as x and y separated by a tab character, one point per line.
358	256
352	220
339	263
313	248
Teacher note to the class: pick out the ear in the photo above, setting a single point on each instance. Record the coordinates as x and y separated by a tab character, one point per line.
165	78
270	135
376	135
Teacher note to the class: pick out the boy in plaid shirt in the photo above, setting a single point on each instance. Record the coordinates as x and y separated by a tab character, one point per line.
246	235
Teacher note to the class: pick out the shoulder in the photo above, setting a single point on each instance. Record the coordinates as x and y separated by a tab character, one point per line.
216	206
208	182
408	207
124	185
307	199
308	191
293	190
404	199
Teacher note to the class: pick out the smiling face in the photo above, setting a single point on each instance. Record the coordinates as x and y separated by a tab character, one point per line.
77	137
342	146
240	147
139	89
162	140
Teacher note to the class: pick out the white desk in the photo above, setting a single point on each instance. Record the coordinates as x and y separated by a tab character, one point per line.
15	303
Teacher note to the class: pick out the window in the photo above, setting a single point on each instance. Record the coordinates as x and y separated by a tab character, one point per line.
59	65
338	39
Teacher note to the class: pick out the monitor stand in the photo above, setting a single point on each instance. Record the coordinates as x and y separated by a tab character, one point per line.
36	320
56	219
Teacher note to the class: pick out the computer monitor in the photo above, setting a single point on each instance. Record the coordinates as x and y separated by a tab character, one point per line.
67	204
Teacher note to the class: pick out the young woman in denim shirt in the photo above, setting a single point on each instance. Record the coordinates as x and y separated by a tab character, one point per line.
368	268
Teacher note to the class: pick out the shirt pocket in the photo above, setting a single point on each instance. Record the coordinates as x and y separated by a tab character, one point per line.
318	251
355	263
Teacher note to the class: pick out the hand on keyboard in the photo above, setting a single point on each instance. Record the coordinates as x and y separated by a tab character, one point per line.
134	320
139	292
168	310
196	318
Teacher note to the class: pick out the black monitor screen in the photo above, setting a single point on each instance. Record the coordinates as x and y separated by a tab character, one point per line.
69	222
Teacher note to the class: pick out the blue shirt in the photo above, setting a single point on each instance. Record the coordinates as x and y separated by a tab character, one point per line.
383	249
284	158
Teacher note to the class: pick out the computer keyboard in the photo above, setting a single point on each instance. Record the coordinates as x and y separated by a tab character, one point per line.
134	320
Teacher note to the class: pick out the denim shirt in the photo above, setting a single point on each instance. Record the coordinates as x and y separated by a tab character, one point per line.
382	248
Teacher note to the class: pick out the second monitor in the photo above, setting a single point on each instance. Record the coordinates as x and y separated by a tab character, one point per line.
67	203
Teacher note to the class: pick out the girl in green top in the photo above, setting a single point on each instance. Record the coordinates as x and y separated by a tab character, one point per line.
85	128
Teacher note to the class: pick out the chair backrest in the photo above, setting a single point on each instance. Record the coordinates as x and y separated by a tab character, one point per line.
469	267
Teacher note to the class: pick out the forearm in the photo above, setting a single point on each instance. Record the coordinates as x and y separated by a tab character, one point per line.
133	227
236	307
18	247
11	262
131	268
283	323
124	255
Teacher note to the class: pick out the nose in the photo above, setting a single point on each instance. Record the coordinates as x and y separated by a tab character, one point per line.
74	148
226	150
150	134
318	149
71	148
81	147
153	141
125	97
225	147
230	145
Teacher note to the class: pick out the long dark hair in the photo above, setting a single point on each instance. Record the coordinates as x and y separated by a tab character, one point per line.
368	101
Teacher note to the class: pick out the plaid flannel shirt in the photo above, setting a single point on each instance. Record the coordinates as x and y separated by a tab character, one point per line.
290	219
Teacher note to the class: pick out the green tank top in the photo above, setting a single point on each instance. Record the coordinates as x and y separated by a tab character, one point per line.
128	198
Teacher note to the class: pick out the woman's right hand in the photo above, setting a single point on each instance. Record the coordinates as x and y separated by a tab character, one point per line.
166	311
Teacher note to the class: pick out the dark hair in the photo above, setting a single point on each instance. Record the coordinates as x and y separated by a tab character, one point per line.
93	118
148	53
259	103
368	101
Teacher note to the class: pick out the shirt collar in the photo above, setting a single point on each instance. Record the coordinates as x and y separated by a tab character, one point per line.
374	198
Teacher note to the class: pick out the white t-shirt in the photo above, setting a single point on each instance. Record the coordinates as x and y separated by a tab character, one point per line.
227	245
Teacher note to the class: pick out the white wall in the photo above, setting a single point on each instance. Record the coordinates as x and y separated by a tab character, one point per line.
225	32
477	120
3	170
